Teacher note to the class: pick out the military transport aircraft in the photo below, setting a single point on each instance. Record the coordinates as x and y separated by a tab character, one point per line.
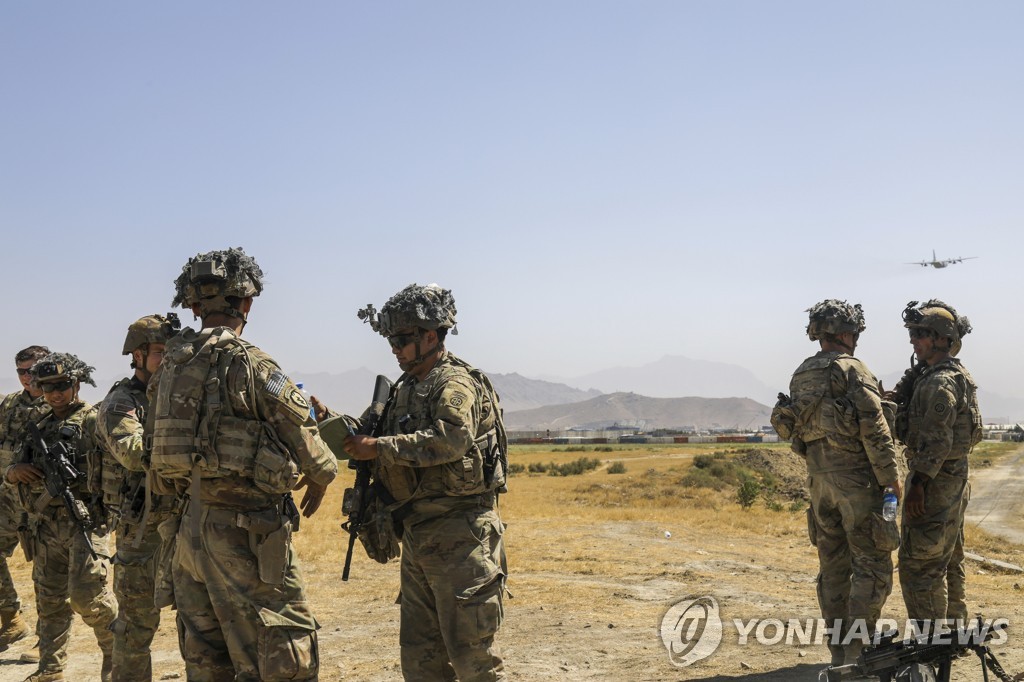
936	263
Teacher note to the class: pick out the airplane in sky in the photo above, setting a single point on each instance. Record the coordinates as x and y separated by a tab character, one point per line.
936	263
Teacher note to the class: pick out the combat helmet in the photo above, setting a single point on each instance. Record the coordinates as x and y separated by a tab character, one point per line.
832	317
150	329
416	306
209	279
57	366
941	319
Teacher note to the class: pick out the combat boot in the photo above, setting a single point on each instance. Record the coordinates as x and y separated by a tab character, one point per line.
30	655
13	628
43	676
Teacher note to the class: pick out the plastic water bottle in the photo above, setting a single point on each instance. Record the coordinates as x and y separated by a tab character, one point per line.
889	504
305	394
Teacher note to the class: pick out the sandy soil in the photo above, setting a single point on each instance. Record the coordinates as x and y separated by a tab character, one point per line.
591	585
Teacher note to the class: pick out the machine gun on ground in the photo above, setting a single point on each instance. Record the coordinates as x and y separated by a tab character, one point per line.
926	658
357	498
59	475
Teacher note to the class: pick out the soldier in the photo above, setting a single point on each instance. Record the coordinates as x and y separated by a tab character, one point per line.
16	410
68	576
441	461
120	430
233	434
834	415
941	424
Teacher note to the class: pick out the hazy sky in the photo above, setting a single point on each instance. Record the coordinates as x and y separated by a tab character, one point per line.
599	183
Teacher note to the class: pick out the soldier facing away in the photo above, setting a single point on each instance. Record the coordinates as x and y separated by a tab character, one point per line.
834	416
16	410
71	562
941	424
233	434
441	460
127	489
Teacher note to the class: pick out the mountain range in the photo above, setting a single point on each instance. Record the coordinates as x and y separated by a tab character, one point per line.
531	402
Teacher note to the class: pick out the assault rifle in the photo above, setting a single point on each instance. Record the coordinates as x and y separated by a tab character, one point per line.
59	474
926	658
357	498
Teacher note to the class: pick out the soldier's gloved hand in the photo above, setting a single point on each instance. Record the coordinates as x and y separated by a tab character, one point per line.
23	473
313	496
914	504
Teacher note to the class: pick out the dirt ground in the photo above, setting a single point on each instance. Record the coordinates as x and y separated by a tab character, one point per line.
592	580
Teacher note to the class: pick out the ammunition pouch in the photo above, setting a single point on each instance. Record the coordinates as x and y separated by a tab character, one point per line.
378	534
274	470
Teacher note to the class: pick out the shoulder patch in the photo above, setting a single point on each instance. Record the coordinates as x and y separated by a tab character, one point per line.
456	399
276	383
296	397
940	408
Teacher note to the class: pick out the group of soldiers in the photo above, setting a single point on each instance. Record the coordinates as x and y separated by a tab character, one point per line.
861	443
189	466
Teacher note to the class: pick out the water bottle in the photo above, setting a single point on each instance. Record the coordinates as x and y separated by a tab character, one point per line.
889	504
305	394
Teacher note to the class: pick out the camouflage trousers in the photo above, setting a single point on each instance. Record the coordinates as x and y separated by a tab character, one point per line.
10	517
68	581
232	623
932	575
453	580
854	547
137	617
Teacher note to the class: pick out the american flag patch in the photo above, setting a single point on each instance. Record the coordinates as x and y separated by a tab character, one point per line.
276	383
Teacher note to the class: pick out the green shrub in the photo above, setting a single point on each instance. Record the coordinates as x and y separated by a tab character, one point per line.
516	468
747	492
616	468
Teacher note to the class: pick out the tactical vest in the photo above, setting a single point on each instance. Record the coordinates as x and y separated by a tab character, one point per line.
73	429
193	421
482	469
967	426
15	414
819	413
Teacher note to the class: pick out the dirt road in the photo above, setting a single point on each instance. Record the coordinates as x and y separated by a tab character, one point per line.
997	498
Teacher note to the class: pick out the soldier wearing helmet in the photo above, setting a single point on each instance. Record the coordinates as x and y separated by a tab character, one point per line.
941	424
119	422
835	418
440	458
68	578
232	435
16	410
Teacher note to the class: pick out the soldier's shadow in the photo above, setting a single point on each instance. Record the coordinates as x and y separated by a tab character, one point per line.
806	672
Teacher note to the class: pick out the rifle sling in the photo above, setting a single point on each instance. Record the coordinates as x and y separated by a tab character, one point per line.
147	507
194	508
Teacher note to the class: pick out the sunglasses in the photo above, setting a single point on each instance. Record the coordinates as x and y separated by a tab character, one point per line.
22	371
56	386
399	341
919	333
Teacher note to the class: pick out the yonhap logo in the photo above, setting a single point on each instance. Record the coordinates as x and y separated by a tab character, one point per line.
691	630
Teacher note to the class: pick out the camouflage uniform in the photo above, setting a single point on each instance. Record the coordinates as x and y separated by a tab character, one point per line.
119	429
850	457
67	578
453	565
242	611
943	424
16	410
